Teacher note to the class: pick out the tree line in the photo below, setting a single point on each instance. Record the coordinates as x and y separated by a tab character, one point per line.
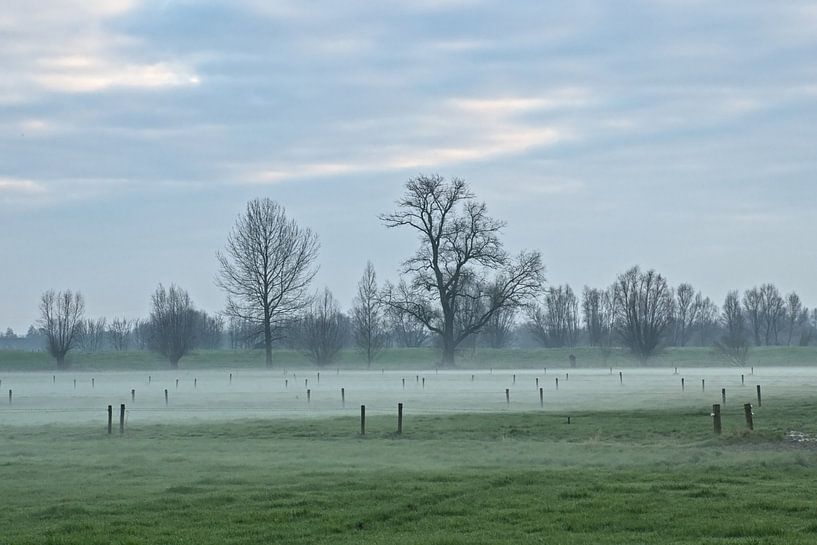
460	289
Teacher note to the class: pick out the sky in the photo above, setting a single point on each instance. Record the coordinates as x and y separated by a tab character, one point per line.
678	135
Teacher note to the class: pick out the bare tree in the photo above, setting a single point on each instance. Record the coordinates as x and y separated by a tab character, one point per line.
367	316
734	344
794	314
209	330
707	321
405	328
61	320
688	305
266	269
119	333
460	263
498	332
643	307
557	323
172	324
323	329
752	305
242	334
597	306
92	334
772	311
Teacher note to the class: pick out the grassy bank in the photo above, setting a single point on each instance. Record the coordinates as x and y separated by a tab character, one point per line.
608	477
414	358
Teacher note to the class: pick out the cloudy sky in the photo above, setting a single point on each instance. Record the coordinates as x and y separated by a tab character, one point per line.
679	135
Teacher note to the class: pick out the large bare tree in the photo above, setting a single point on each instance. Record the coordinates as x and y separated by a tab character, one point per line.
643	306
460	276
367	316
61	316
266	268
172	324
556	324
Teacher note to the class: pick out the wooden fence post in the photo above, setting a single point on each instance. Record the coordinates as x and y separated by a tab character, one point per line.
723	395
541	397
399	419
507	396
557	383
343	397
742	383
122	418
165	396
747	410
110	418
682	385
759	404
703	384
133	395
308	395
363	420
716	417
621	377
9	396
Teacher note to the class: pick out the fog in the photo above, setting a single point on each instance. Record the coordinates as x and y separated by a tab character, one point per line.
46	398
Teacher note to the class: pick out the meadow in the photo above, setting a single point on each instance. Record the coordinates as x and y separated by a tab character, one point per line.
250	460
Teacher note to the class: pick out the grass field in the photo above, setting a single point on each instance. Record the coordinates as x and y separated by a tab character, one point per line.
610	477
413	358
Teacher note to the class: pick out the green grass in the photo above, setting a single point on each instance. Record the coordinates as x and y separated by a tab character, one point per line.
414	358
607	478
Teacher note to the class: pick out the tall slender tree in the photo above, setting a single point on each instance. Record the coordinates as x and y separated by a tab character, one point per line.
367	316
61	316
266	268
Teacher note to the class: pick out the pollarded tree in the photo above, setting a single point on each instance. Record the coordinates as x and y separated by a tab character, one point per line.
367	316
172	324
643	307
266	269
61	320
460	275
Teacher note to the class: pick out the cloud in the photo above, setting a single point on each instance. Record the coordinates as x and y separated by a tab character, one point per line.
68	46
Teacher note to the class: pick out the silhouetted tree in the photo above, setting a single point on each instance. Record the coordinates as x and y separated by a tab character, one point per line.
794	315
688	305
323	329
61	320
209	330
734	344
367	316
172	324
266	269
119	333
643	307
597	307
498	331
556	324
92	334
460	264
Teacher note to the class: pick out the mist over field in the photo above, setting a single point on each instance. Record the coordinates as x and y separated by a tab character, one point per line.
450	272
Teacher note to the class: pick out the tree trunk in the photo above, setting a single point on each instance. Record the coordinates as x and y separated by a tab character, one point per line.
174	363
61	362
267	342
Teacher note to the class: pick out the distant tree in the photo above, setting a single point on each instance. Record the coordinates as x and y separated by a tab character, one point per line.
752	301
119	333
643	308
209	330
498	332
61	316
323	330
172	324
556	324
460	265
734	344
266	269
10	334
92	335
368	319
794	315
406	329
707	321
773	312
242	334
688	305
597	308
141	334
